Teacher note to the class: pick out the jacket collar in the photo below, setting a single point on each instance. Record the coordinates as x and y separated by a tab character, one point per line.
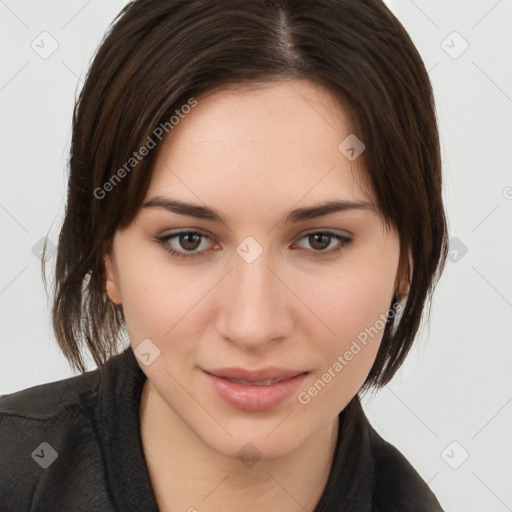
350	481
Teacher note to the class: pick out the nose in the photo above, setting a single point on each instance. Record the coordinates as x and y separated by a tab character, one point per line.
255	304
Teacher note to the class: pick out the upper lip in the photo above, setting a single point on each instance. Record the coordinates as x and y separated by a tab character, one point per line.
256	375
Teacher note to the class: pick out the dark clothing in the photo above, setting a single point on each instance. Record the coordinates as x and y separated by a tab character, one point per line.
91	424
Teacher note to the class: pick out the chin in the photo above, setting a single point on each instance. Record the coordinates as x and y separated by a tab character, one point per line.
254	436
249	448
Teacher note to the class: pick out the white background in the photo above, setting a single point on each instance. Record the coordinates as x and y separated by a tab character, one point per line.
453	397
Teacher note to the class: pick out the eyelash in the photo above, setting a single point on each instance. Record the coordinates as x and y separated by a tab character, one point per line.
163	242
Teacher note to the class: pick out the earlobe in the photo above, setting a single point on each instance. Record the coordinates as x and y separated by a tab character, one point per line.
403	288
111	285
405	278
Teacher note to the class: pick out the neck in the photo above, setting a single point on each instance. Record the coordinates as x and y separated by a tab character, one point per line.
187	474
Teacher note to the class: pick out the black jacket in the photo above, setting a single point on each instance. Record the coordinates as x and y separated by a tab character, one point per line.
75	445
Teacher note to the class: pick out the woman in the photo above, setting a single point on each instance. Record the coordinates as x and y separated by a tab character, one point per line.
255	201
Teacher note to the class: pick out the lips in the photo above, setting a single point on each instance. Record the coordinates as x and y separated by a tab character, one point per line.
255	391
267	382
262	377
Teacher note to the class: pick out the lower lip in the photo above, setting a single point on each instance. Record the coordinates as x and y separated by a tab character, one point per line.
255	398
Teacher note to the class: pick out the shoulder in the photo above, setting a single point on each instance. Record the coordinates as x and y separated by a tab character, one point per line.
61	398
46	401
397	485
49	442
371	475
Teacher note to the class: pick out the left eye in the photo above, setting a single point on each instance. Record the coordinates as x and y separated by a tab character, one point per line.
323	239
189	241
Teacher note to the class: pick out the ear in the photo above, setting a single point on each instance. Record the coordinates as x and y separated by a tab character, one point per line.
111	280
404	276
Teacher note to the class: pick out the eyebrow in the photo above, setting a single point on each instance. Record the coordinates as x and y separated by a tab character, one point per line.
297	215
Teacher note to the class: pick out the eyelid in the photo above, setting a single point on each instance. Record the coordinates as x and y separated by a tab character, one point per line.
341	232
343	241
206	234
163	240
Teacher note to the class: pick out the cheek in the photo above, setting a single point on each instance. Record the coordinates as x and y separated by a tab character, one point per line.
155	296
164	301
349	300
355	312
353	308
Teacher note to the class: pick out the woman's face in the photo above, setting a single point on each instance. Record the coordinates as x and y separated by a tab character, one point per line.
262	289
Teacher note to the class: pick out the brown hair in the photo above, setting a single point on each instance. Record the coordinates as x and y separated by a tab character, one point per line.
157	55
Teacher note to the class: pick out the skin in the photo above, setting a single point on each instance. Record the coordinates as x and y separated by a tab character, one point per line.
252	154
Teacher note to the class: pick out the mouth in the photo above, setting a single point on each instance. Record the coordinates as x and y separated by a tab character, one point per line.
263	376
258	383
255	391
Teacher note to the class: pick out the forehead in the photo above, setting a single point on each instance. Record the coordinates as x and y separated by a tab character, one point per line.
275	142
